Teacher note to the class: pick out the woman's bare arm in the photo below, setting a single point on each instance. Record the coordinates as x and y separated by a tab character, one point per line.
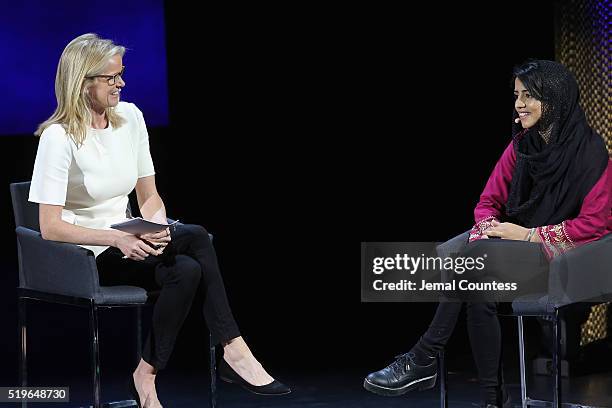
53	228
150	203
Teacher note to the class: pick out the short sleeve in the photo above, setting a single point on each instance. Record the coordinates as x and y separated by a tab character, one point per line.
145	162
50	175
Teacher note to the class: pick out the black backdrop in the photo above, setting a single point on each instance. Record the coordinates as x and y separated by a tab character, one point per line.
295	134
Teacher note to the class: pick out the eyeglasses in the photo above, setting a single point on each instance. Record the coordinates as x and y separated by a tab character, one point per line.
111	79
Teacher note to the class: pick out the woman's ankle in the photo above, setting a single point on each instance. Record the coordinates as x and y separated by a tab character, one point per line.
495	395
145	369
236	349
421	357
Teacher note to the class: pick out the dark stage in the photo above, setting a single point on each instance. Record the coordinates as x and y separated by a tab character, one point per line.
295	133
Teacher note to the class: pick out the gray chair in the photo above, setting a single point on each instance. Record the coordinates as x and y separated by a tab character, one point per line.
58	272
580	275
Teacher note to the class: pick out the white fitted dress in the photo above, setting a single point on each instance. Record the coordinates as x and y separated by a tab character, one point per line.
92	182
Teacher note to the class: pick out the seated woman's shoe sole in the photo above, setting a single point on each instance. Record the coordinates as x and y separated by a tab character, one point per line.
251	390
421	384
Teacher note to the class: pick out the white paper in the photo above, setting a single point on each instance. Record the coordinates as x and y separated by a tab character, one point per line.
141	226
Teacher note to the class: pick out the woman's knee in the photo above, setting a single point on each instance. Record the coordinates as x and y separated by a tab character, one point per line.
197	232
478	310
188	270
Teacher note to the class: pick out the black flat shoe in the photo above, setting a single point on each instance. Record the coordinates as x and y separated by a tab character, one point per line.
401	376
132	390
227	374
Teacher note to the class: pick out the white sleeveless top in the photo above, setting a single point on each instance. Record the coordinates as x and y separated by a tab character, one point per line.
92	182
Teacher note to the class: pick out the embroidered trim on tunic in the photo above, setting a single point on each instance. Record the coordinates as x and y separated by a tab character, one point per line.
480	227
555	239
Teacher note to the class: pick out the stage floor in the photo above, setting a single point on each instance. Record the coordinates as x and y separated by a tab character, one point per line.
333	389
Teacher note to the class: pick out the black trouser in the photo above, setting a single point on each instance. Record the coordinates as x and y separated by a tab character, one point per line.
482	321
188	264
485	338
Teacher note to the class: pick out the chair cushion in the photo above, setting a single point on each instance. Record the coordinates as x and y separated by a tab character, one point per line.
121	295
533	304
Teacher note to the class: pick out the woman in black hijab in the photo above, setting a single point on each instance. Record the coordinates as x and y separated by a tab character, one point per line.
552	185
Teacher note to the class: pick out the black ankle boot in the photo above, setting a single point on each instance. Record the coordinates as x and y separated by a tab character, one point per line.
402	376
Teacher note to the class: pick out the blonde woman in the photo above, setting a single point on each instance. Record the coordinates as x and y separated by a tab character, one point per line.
93	151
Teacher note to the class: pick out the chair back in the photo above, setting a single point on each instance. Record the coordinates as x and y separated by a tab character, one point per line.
25	212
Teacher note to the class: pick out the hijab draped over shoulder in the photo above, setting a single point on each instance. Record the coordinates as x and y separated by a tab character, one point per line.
559	160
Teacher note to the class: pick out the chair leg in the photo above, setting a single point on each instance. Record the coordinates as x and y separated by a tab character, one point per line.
557	360
213	373
95	354
23	342
138	312
521	339
442	375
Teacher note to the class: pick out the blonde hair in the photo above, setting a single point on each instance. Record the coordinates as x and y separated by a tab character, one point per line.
86	55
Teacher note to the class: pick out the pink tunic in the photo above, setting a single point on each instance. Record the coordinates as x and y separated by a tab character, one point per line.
593	222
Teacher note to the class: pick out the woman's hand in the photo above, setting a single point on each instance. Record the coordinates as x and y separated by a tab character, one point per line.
159	239
506	230
135	248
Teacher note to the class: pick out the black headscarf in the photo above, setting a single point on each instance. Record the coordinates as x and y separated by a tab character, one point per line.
551	179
